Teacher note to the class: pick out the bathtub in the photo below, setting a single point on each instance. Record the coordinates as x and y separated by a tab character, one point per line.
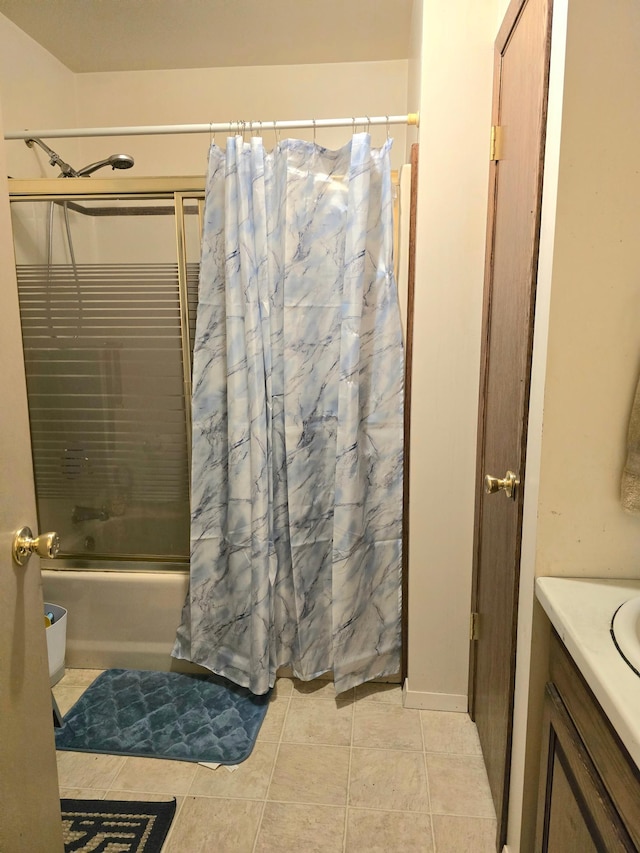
120	619
126	620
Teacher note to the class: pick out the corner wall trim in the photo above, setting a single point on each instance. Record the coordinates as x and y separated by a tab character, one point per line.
433	701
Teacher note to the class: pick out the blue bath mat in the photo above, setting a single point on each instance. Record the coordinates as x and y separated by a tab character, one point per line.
164	715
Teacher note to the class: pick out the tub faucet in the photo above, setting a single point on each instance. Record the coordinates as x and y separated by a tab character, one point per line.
88	513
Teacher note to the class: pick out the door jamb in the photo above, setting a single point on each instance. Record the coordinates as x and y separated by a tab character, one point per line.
411	278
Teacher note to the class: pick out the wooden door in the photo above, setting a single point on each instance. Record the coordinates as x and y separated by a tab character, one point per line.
519	109
29	798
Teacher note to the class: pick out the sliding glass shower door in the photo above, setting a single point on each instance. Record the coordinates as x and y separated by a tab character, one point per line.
107	286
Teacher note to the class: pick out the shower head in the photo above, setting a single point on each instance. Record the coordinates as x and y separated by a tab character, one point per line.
116	161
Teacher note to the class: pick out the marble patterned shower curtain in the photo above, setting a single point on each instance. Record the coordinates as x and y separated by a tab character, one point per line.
297	418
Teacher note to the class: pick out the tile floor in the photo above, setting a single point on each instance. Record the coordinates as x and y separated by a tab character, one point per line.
358	774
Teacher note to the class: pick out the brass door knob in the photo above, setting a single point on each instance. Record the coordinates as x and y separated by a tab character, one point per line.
508	484
24	545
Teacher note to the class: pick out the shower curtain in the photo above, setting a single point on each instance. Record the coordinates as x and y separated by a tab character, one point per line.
297	418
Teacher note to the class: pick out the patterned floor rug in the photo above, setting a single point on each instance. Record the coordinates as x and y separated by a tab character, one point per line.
164	715
128	827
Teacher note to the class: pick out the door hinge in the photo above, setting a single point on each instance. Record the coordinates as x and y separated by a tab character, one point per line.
495	147
473	626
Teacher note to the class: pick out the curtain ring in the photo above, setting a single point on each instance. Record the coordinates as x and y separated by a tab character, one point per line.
387	128
368	124
353	119
314	131
212	136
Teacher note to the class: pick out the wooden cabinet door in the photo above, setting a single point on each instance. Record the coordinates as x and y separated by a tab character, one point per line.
575	812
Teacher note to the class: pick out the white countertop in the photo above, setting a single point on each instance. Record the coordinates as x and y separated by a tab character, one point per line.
581	609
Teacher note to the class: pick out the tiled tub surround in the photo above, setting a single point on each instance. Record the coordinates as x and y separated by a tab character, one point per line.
360	773
581	610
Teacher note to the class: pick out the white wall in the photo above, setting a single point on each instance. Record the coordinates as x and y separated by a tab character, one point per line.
414	71
39	91
587	346
230	94
455	108
36	90
594	333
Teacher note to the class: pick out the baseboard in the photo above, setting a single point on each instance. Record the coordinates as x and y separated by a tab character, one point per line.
433	701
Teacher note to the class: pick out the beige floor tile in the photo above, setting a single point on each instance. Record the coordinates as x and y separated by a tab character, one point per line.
66	697
386	726
282	687
87	769
294	827
446	731
310	774
389	694
388	779
271	728
137	797
318	721
458	785
383	832
82	794
319	688
464	834
157	775
207	824
78	677
249	781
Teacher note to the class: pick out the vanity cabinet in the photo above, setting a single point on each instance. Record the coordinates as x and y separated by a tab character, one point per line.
589	797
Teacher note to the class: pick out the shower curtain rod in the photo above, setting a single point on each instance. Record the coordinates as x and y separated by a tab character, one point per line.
214	127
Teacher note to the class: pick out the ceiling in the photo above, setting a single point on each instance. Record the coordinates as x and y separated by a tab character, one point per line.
135	35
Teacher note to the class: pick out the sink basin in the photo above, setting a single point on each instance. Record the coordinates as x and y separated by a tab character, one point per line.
625	630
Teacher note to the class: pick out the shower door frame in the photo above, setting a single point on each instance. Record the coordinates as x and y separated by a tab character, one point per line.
178	189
